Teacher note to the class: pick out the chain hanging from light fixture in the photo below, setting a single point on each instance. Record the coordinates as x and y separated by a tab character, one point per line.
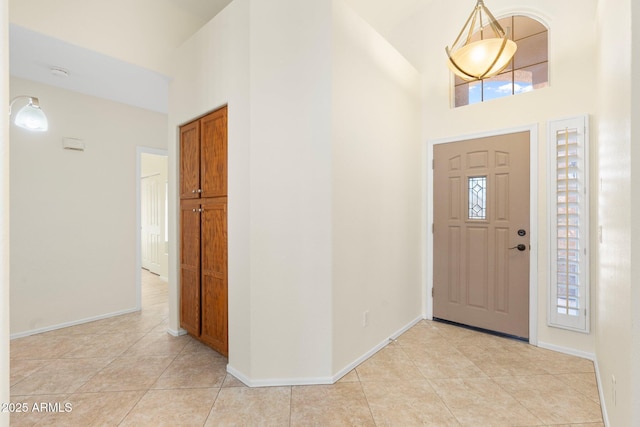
471	58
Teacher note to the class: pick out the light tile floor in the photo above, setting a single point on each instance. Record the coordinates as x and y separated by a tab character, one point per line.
127	371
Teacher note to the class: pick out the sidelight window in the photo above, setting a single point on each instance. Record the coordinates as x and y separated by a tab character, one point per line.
569	224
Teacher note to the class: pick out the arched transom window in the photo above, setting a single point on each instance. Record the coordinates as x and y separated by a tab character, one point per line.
529	69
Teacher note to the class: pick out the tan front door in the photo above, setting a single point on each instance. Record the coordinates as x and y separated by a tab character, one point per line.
481	233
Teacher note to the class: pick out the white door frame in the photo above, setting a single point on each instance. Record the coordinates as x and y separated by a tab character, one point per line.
427	307
139	152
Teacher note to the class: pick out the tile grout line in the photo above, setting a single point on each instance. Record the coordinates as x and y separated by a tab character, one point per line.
518	400
213	404
290	405
368	403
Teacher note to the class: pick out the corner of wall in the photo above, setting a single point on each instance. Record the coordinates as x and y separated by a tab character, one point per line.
4	210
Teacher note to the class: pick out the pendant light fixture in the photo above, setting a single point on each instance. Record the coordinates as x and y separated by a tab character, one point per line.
30	117
482	49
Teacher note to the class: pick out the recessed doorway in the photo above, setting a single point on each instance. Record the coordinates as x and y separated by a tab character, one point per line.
482	245
152	238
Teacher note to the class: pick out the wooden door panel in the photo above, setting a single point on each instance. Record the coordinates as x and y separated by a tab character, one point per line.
190	160
190	267
214	314
214	274
478	279
190	301
213	151
203	188
214	236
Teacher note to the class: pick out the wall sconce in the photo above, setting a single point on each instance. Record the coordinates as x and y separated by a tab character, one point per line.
30	117
475	55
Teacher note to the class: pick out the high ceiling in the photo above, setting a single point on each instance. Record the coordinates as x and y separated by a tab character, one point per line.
206	9
121	60
110	60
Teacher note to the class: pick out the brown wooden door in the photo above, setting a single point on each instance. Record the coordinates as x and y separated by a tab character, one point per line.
214	274
213	154
190	160
190	296
203	190
481	202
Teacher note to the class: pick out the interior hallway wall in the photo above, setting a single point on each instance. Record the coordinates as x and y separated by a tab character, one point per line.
291	217
377	192
211	70
615	327
74	213
4	210
635	231
290	152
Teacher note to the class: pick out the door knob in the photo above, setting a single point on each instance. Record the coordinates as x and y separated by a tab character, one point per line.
521	247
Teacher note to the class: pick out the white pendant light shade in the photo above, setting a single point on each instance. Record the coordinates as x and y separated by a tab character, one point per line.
30	117
484	58
482	49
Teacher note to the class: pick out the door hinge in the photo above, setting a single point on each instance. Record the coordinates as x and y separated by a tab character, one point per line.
431	292
433	164
433	228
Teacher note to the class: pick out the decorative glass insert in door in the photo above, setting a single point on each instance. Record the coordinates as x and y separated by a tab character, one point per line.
478	197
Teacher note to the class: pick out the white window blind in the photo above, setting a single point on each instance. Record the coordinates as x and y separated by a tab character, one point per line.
569	224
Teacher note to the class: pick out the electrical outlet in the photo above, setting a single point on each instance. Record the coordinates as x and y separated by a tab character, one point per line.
613	390
365	318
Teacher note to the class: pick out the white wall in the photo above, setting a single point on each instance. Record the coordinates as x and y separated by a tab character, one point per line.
298	154
614	327
279	179
376	177
572	91
73	213
4	210
212	69
290	159
635	230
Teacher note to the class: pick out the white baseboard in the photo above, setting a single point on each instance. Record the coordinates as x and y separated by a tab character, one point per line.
344	371
603	405
588	356
275	382
73	323
239	375
569	351
177	332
